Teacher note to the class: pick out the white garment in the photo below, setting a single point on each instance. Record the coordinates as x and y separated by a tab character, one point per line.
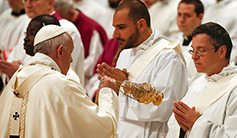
105	3
160	13
3	6
58	107
18	53
219	119
95	50
191	69
167	72
224	13
11	29
107	22
91	9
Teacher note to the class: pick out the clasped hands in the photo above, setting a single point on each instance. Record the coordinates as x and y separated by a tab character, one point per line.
184	115
113	73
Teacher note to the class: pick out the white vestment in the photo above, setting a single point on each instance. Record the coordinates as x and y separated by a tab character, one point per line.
160	13
58	107
12	29
18	53
167	72
3	6
219	119
224	13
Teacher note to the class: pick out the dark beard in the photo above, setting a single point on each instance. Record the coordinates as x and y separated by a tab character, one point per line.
132	40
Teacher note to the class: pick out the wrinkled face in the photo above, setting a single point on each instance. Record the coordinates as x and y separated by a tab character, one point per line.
207	63
31	31
34	8
67	58
187	19
125	31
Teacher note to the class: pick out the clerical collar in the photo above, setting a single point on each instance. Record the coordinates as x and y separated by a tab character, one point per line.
187	40
18	13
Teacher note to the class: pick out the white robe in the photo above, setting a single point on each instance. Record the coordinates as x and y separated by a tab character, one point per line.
58	107
219	119
160	13
3	6
12	29
167	72
18	53
224	13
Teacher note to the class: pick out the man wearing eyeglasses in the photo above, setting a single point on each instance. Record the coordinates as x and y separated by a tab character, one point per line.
209	108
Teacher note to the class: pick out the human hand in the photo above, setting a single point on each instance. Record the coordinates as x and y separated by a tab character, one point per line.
9	68
117	74
185	115
106	81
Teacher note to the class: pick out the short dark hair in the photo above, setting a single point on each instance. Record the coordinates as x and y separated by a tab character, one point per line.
199	8
218	36
46	19
137	11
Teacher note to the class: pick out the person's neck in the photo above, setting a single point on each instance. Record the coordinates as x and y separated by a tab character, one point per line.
147	34
220	67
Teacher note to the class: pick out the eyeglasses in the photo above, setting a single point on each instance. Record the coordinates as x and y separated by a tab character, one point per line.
200	52
31	1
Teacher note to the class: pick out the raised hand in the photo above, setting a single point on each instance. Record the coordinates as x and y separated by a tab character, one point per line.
9	68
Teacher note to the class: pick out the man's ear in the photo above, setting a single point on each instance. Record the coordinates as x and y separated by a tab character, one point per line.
223	51
141	25
59	51
200	17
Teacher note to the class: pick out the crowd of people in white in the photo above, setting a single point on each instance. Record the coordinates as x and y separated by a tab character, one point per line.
96	29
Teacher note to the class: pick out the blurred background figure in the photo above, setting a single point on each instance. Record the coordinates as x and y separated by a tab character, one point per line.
160	12
189	16
3	5
35	8
13	22
91	9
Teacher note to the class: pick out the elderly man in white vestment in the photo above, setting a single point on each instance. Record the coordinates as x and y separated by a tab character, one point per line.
34	8
209	108
42	102
166	71
189	16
